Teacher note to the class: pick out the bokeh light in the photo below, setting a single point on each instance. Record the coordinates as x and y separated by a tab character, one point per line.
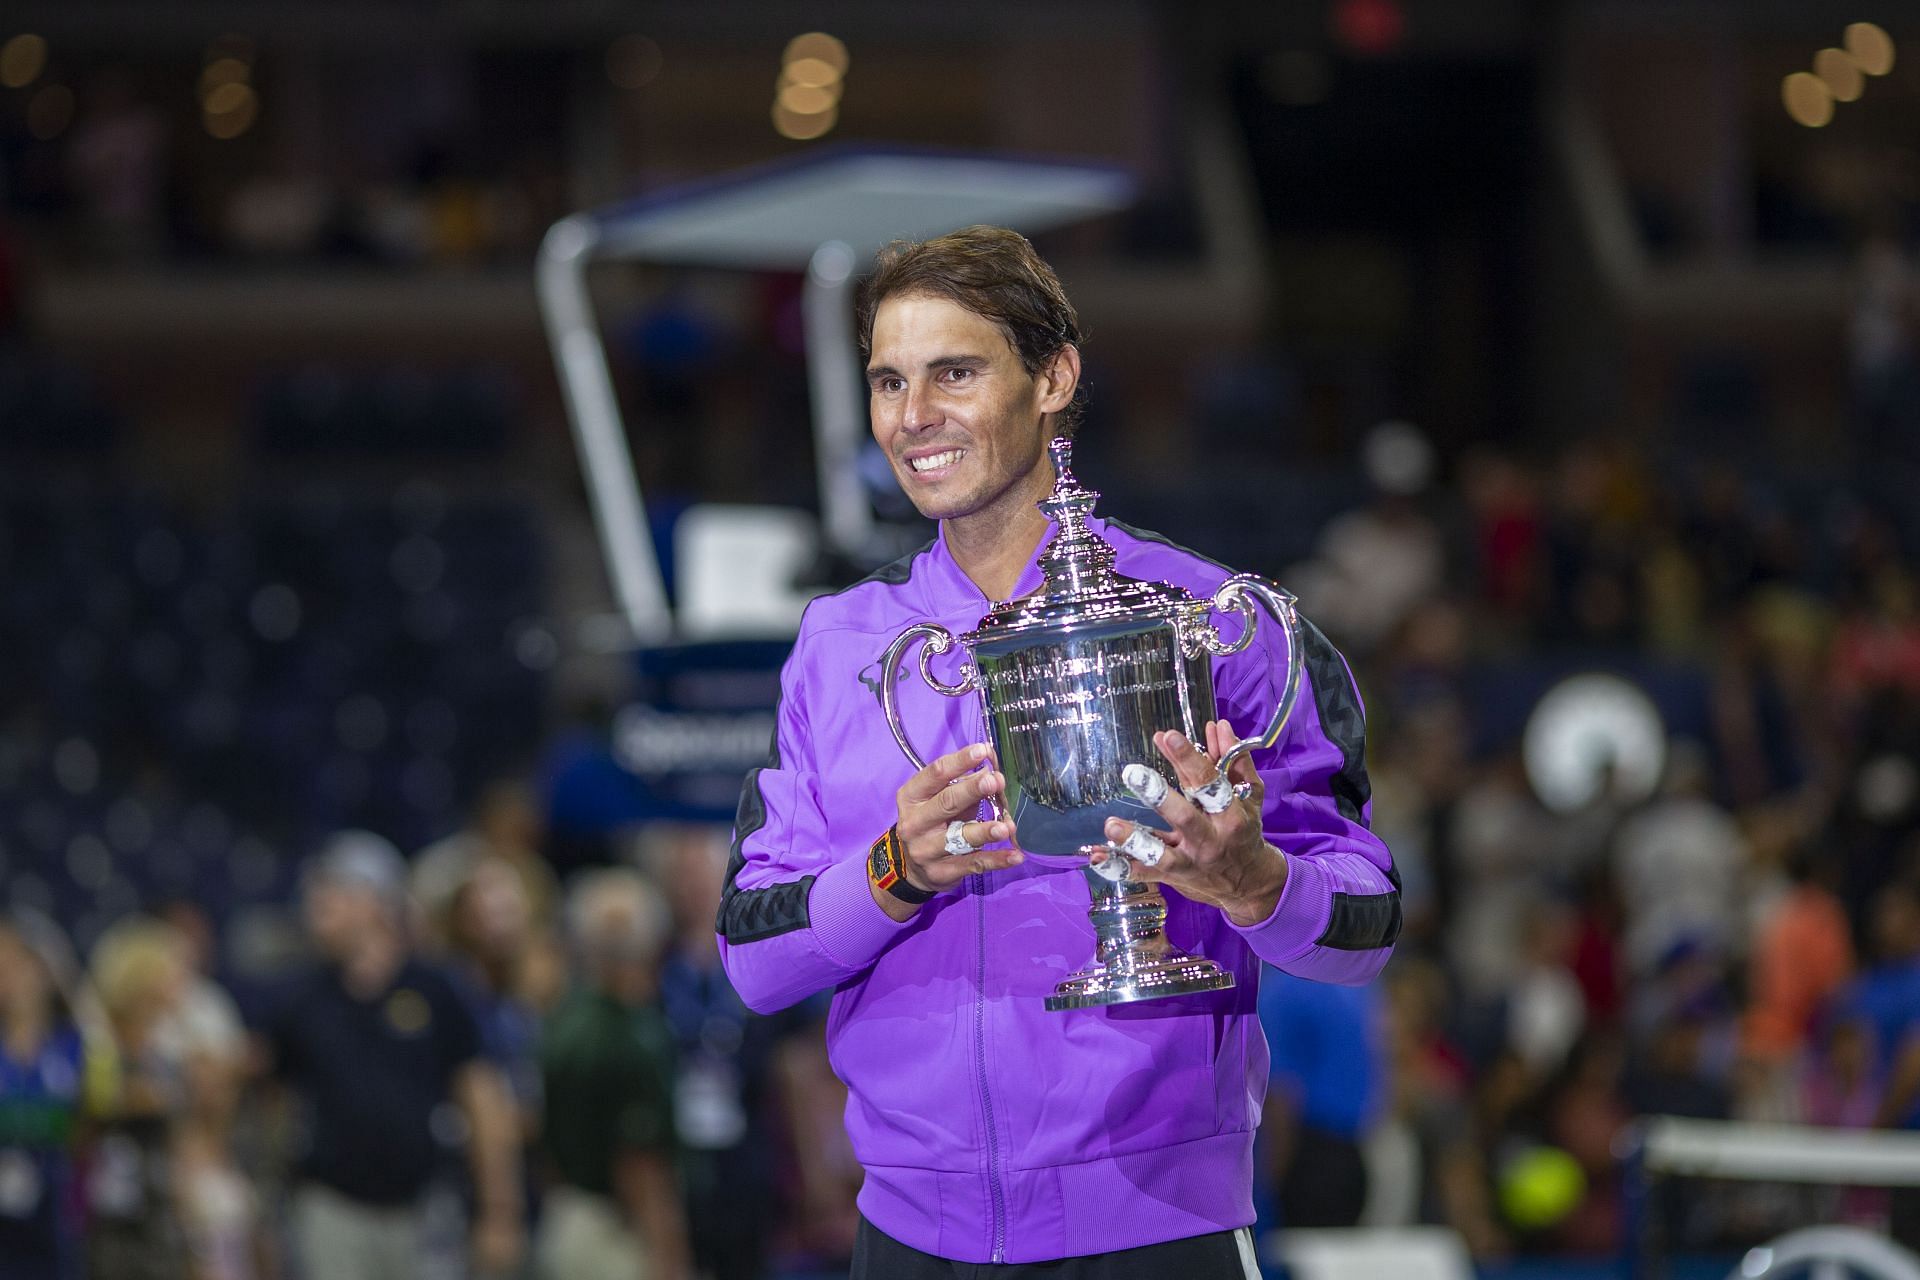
818	45
807	94
811	71
22	59
1807	98
231	110
1840	73
225	99
1871	47
808	100
223	71
802	127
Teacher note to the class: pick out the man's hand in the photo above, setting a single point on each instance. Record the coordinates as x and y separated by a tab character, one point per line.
948	790
1219	858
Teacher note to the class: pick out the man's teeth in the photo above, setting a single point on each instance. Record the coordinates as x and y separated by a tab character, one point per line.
933	460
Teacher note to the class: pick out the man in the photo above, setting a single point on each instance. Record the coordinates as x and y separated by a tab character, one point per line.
992	1130
377	1041
608	1068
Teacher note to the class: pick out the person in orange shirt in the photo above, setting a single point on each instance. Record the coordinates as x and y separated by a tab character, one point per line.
1802	954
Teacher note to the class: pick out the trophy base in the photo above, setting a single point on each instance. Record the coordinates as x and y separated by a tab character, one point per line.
1171	975
1134	961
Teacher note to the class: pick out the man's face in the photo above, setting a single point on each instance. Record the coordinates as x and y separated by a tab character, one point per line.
959	417
338	913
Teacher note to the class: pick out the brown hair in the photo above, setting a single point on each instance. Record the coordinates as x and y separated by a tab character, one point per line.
994	273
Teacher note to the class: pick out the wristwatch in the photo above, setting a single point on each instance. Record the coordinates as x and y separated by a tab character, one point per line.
886	869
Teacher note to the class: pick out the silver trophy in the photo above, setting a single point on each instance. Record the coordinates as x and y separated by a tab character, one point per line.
1077	678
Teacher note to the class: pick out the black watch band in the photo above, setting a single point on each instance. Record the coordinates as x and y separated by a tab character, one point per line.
886	868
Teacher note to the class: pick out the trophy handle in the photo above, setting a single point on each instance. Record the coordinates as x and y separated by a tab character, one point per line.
1240	593
939	640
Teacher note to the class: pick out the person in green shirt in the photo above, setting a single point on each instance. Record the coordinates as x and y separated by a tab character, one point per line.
615	1210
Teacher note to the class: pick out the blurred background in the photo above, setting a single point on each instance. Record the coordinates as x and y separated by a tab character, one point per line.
1564	356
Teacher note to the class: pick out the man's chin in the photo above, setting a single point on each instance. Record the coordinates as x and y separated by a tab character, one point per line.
940	506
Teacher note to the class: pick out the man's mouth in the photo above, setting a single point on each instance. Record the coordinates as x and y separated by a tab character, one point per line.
935	461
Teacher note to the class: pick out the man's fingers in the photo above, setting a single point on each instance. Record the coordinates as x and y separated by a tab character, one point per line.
1152	790
928	782
978	834
1190	764
1173	858
945	872
963	796
935	868
1221	739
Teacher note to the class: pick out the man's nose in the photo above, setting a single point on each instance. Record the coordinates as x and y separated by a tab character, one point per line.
922	407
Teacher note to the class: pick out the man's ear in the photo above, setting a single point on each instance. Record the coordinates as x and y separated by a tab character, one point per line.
1059	378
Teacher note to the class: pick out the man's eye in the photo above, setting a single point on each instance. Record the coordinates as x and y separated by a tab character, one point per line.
959	375
891	384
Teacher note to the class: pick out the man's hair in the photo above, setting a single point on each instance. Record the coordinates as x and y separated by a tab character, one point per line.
994	273
613	913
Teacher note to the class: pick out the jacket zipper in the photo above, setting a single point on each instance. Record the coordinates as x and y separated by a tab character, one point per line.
986	1098
996	1194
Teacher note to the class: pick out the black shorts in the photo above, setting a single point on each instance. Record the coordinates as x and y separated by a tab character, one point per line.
1223	1255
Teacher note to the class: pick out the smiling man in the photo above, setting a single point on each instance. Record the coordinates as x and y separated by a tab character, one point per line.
1103	1143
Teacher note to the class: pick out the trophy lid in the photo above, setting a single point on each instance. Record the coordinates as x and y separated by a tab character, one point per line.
1079	585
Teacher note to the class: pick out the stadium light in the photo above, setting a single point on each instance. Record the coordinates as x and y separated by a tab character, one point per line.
1840	73
806	97
1871	47
1808	99
22	59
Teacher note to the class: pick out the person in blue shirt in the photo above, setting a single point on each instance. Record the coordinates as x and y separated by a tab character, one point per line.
1328	1078
48	1080
1885	1000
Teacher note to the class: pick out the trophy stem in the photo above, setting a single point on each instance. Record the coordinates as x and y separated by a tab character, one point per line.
1133	960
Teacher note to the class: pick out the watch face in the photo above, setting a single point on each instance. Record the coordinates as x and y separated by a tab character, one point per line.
880	861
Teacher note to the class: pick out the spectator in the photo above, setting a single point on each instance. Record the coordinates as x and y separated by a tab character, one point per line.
1328	1084
489	933
615	1212
1680	865
140	974
51	1079
376	1041
725	1062
506	828
1802	954
1885	999
1375	565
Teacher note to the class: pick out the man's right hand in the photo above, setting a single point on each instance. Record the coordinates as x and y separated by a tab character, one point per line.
949	789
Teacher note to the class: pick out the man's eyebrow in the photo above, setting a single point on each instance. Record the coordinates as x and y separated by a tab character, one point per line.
938	362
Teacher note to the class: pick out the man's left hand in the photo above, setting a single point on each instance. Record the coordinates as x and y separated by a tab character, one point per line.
1219	858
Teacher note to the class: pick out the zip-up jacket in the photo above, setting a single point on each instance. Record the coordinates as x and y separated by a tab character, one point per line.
991	1129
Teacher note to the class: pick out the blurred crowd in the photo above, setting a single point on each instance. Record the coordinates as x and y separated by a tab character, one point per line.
1740	941
122	172
470	1070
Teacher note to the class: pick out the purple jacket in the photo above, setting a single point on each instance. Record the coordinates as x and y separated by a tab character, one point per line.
991	1129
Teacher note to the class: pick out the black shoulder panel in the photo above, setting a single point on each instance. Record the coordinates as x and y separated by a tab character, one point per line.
1341	719
1360	921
